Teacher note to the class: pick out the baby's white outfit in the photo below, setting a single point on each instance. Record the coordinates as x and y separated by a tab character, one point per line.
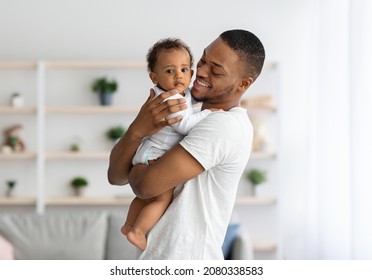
156	145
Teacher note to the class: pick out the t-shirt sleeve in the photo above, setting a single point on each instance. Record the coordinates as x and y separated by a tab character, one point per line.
212	140
189	121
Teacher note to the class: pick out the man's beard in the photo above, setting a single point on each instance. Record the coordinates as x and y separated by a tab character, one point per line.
226	92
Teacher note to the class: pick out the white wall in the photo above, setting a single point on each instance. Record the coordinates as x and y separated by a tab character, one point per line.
117	29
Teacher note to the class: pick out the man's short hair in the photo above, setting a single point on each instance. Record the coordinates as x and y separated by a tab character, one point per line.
249	49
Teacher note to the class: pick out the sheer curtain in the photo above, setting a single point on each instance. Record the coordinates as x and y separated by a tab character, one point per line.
339	192
361	128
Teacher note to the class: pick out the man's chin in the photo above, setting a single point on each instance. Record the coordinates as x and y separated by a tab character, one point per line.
193	93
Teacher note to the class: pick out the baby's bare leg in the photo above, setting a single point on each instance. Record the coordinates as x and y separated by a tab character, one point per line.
135	209
148	217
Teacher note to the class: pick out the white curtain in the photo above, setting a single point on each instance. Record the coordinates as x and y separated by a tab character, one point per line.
361	128
339	192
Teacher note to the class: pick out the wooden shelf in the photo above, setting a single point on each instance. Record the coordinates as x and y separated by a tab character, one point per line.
77	155
97	201
270	65
18	65
255	200
23	155
264	246
18	110
88	201
91	109
263	155
94	64
263	103
17	201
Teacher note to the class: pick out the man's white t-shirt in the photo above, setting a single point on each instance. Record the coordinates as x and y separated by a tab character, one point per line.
195	223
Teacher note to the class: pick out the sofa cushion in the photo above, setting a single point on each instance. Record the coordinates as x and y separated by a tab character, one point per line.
118	247
58	236
231	234
6	249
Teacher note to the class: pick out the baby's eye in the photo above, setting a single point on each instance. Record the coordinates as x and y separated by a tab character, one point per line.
185	70
169	71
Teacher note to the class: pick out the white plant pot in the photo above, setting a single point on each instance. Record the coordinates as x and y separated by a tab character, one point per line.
17	101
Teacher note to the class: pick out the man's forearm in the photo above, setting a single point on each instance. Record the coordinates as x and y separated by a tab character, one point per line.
121	158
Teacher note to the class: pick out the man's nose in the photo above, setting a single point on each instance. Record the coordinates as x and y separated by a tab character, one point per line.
202	71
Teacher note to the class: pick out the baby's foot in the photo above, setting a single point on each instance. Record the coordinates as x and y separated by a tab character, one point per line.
125	229
138	239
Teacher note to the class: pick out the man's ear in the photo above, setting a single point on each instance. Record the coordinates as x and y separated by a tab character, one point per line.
246	83
153	78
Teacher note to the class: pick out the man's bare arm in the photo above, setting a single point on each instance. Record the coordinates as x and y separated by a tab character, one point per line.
149	120
175	167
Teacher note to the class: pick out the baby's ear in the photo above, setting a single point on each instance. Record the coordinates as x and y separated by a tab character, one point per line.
153	78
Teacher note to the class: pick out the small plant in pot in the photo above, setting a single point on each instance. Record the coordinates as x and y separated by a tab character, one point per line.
78	184
16	99
10	187
256	177
105	88
115	133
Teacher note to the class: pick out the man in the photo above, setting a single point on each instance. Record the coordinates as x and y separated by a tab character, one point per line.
207	164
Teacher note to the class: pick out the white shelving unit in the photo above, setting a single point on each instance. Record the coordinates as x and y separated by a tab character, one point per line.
45	112
262	103
41	110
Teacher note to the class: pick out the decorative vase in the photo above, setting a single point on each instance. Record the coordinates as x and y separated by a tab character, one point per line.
105	98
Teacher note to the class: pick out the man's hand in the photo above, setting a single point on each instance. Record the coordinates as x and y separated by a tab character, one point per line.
152	116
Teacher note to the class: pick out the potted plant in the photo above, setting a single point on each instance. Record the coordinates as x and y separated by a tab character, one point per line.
16	99
256	177
75	145
78	183
11	185
105	88
115	133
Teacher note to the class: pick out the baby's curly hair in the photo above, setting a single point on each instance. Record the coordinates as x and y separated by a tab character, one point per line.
167	43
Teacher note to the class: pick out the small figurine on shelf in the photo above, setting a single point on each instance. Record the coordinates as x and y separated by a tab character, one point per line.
260	136
16	99
78	183
10	188
12	139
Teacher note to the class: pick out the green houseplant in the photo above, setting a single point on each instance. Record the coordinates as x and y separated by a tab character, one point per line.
78	183
256	177
115	133
105	88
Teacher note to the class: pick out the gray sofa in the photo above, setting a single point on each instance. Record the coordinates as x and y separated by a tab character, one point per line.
81	235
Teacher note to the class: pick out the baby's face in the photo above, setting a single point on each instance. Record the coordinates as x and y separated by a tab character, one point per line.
172	70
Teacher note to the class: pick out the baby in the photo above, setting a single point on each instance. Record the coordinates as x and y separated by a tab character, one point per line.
169	63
